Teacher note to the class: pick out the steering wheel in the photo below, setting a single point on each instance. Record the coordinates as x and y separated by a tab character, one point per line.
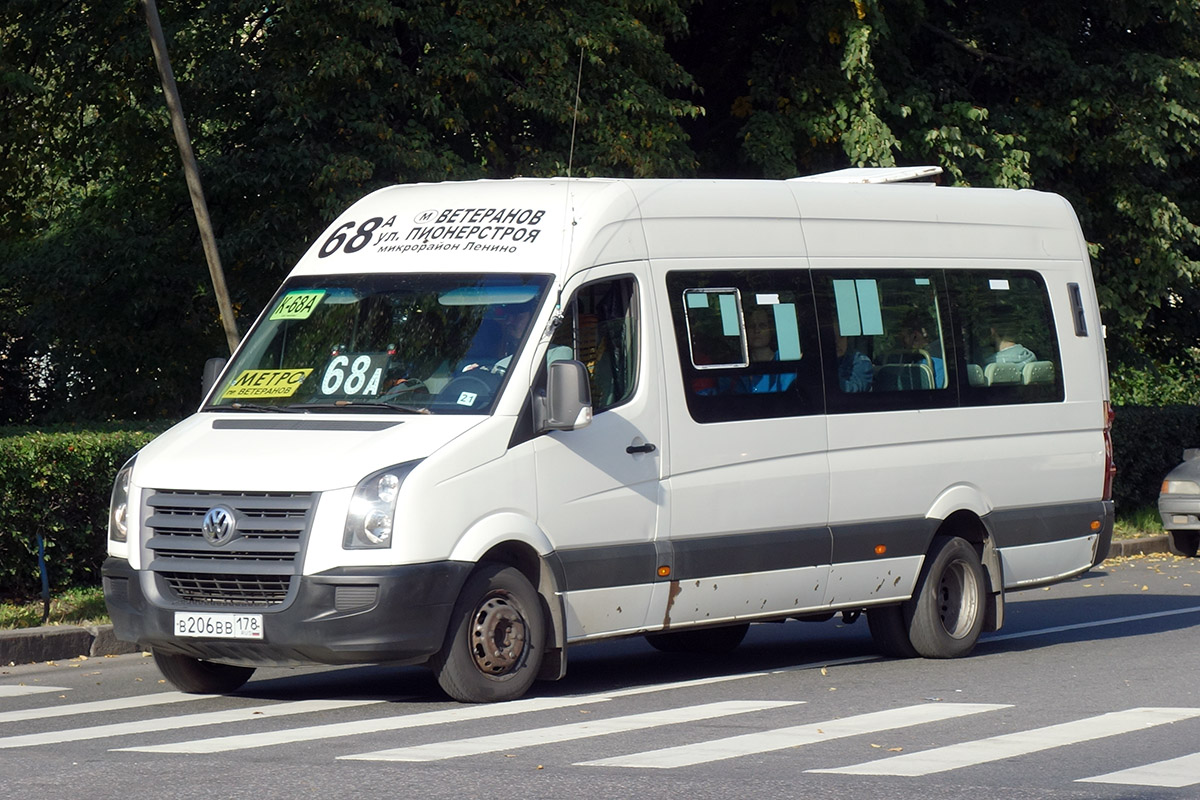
468	392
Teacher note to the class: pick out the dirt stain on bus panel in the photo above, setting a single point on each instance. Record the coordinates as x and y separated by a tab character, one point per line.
675	590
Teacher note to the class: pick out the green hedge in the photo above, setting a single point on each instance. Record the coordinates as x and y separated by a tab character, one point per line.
1147	443
57	482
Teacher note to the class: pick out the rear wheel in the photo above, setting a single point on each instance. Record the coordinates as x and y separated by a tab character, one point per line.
944	617
889	631
1183	543
195	676
494	647
947	616
705	641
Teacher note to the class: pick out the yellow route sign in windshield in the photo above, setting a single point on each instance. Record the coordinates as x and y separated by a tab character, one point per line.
266	383
298	305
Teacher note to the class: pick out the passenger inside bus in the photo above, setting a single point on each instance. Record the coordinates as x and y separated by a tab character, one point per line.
916	338
1008	351
761	339
855	370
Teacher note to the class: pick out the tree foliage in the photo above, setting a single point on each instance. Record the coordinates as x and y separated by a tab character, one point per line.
297	107
1099	102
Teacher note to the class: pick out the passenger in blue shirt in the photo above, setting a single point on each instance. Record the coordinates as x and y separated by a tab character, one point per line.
760	336
917	340
856	373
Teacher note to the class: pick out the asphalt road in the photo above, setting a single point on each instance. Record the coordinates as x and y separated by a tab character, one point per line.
1088	692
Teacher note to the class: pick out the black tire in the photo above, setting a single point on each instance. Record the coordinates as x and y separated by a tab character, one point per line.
945	616
705	641
195	676
889	631
1183	543
494	647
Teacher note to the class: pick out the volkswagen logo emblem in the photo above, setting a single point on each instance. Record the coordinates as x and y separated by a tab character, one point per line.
219	526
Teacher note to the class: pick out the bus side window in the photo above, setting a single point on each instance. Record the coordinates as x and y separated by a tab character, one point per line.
1007	337
886	339
746	343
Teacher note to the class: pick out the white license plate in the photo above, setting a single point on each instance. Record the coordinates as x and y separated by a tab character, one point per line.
218	626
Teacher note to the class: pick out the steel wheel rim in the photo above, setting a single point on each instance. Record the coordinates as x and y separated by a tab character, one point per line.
497	635
958	599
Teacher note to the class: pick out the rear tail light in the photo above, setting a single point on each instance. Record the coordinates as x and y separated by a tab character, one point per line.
1110	467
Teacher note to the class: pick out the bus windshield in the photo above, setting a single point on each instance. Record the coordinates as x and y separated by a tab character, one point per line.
425	343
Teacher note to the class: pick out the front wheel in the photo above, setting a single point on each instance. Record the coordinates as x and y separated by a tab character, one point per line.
1183	543
495	644
195	676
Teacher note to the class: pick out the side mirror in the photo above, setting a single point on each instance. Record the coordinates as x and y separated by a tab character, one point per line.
567	403
212	371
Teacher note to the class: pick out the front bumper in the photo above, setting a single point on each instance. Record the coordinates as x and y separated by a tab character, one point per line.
1179	512
352	615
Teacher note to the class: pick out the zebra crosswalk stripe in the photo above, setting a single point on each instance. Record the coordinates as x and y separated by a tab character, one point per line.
221	744
100	706
1174	773
569	732
177	722
10	690
779	739
457	714
982	751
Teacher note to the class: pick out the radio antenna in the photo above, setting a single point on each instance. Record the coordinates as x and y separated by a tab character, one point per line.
569	225
575	113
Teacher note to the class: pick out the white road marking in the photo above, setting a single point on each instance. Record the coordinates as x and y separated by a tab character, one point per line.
177	722
565	733
782	738
996	748
100	706
1174	773
22	691
1094	624
444	716
223	744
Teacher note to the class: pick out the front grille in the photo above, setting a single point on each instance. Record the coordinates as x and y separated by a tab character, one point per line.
230	590
256	569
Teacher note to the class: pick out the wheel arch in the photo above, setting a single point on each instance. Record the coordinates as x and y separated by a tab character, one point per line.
966	524
516	541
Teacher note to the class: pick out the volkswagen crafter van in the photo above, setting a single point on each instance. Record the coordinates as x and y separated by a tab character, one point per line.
481	422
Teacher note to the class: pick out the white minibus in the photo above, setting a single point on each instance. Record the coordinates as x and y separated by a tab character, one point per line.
481	422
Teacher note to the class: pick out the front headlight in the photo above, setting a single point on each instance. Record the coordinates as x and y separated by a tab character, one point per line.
1180	487
372	513
118	509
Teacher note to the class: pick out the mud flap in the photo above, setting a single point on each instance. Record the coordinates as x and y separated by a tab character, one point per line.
993	615
554	660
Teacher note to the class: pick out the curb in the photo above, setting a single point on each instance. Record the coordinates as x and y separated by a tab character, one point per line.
1123	548
50	642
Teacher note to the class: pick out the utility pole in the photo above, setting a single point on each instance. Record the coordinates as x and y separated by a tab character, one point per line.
190	169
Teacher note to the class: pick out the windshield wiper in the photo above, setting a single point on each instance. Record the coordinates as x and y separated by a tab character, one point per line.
252	407
358	405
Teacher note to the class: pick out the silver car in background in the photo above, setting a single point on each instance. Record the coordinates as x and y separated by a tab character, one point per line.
1179	505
